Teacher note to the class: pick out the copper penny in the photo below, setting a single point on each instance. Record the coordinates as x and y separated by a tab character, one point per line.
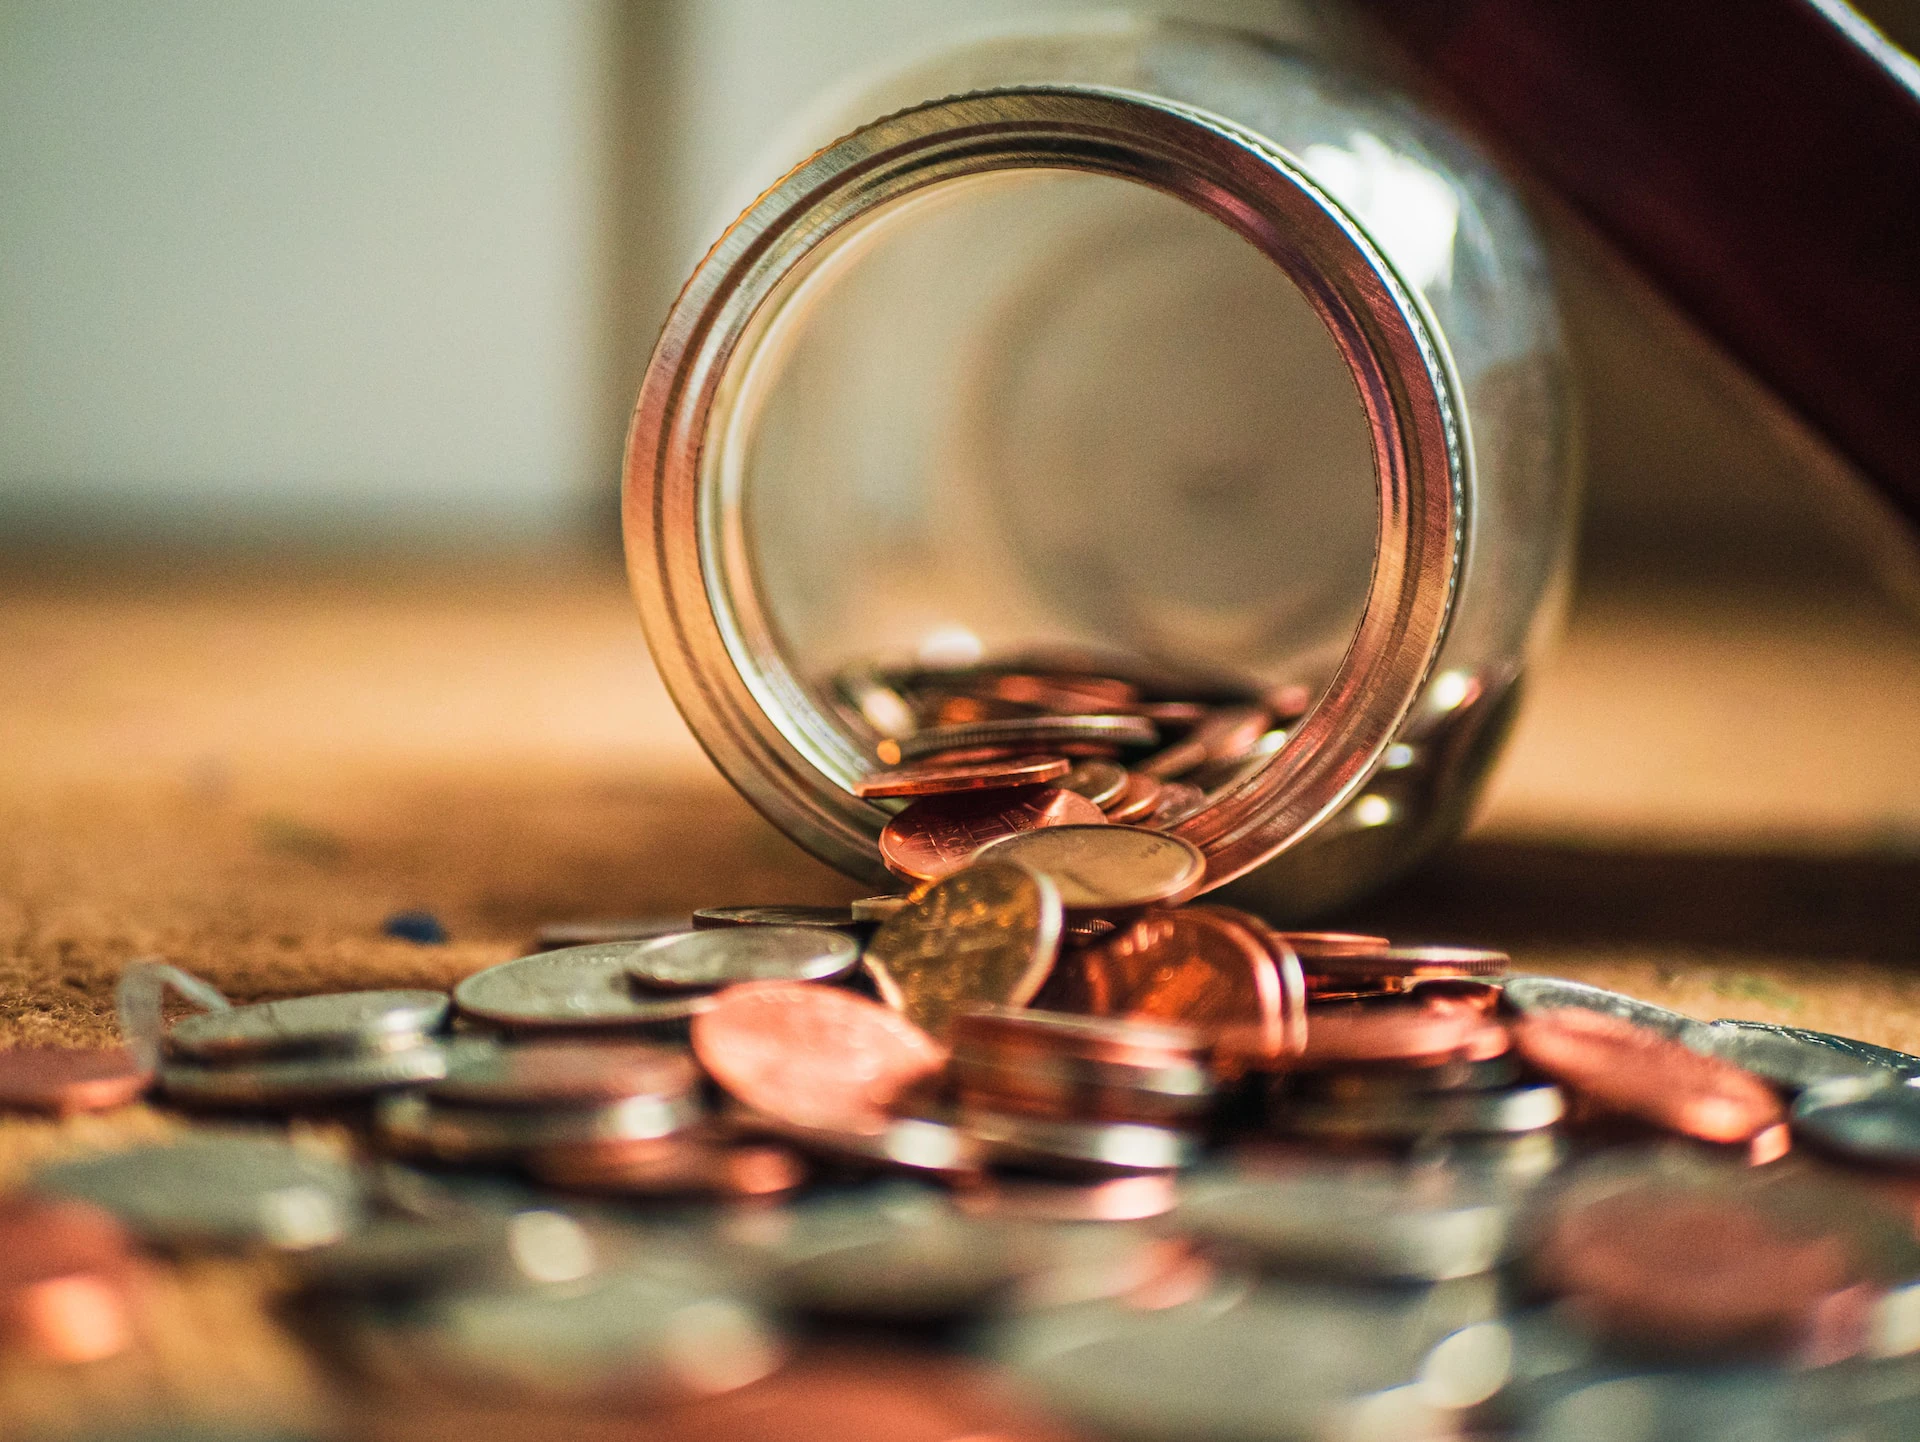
1137	801
670	1166
1404	964
62	1080
1066	695
1311	944
1177	801
937	835
1225	733
1199	966
1636	1072
988	934
564	1073
812	1056
926	779
65	1272
1409	1033
1101	782
1031	733
1674	1268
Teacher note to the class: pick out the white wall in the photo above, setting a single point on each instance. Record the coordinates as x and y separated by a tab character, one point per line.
334	262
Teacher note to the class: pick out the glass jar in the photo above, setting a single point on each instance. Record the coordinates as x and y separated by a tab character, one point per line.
1127	337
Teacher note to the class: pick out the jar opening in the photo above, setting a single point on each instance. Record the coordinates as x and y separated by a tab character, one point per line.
1055	369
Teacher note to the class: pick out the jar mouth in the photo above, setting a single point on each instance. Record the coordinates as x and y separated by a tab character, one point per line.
763	725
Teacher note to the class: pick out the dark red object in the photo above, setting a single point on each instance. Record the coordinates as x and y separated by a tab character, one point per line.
1758	159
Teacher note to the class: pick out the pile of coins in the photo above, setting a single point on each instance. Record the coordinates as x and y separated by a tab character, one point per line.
990	751
1171	1171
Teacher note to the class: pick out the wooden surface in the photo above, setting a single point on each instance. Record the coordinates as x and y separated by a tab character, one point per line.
1712	802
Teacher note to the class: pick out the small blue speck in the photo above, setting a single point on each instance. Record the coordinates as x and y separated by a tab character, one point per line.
420	927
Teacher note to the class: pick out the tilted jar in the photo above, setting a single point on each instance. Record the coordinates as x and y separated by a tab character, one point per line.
1134	336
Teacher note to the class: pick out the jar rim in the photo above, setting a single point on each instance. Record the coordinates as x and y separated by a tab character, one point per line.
760	724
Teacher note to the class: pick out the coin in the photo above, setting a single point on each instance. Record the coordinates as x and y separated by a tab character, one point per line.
564	1073
1634	1071
556	935
577	986
1137	801
1176	802
1199	966
1030	1199
300	1080
1035	733
65	1274
64	1080
932	1271
1312	945
1779	1055
1528	994
1080	1148
1872	1120
396	1255
931	780
833	918
1681	1269
1364	1221
987	934
222	1191
877	908
1865	1052
1107	868
916	1145
1051	1064
1398	966
671	1167
1401	1033
1222	735
812	1055
335	1022
938	835
724	955
1101	782
623	1337
1500	1112
452	1132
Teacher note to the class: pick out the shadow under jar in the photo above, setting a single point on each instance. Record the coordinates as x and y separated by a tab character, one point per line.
1132	349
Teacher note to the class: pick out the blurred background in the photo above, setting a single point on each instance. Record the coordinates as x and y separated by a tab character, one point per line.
345	273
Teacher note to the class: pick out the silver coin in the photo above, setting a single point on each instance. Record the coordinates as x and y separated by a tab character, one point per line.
339	1022
916	1145
1372	1222
393	1255
573	988
877	908
1782	1055
908	1273
834	918
448	1132
1101	782
1108	867
1279	1364
1549	993
1873	1120
300	1081
1865	1052
562	1073
1080	1148
1391	1084
558	934
627	1336
221	1191
1035	731
1509	1110
725	955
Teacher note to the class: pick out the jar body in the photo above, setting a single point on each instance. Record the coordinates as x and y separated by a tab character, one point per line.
1034	397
